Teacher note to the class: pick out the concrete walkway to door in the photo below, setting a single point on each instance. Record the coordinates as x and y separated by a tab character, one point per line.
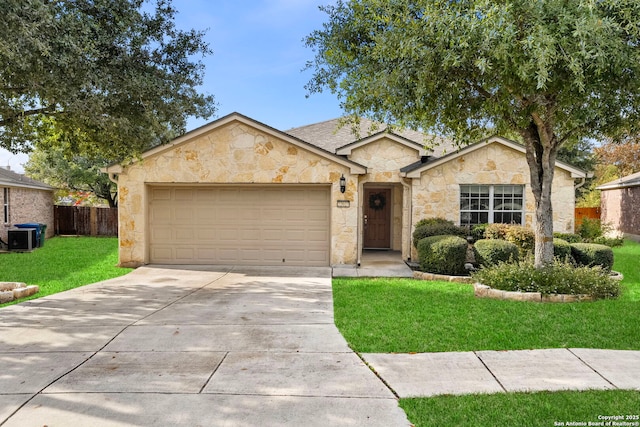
376	263
207	346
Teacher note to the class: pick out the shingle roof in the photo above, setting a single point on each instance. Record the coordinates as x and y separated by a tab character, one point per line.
12	179
632	180
335	133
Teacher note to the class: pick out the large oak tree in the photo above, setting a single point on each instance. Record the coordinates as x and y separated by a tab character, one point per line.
549	71
113	77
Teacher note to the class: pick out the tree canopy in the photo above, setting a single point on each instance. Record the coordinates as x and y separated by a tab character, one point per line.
548	71
72	173
115	77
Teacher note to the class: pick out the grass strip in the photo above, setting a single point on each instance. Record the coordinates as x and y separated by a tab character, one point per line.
546	409
63	263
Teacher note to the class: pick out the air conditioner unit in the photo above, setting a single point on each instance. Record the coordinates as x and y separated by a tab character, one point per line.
22	239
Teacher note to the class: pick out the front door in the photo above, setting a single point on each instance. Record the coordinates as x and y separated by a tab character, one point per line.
377	218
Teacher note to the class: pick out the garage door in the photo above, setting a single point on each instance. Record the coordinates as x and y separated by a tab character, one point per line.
239	225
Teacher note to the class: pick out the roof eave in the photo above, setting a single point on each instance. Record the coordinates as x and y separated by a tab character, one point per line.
576	173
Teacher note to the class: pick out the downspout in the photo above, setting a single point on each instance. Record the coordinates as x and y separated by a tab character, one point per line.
409	201
113	177
580	184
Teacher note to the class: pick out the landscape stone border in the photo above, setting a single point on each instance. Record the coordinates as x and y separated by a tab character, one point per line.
420	275
10	291
484	291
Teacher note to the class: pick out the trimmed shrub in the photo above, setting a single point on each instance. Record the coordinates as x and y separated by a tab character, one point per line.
492	251
592	254
557	278
523	238
561	249
434	221
443	255
477	231
568	237
437	229
496	231
609	241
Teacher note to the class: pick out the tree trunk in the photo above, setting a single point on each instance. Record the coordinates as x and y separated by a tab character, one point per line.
541	149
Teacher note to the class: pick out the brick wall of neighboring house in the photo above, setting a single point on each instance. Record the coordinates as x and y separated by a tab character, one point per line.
620	208
27	205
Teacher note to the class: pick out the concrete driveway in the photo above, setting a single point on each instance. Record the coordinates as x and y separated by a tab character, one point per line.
201	346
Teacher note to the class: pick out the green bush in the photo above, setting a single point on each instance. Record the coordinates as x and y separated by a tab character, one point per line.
557	278
522	237
592	254
492	251
561	249
477	231
437	229
434	221
612	242
496	231
568	237
591	229
443	254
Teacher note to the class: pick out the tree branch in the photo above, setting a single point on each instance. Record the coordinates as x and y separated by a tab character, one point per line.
33	112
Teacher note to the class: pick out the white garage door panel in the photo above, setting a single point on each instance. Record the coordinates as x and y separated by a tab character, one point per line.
239	225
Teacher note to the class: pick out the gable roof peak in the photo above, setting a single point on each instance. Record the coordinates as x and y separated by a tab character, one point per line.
334	134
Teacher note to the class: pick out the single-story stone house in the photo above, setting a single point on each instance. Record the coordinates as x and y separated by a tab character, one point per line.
620	204
24	200
237	191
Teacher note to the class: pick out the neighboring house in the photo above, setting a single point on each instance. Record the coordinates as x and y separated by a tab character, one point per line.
236	191
620	205
24	200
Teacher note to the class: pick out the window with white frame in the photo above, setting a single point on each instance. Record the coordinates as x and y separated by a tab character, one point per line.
487	204
6	205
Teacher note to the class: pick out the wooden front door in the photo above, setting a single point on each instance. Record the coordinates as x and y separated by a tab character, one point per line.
377	218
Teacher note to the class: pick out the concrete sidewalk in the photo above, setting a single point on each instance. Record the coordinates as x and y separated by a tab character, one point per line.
431	374
187	347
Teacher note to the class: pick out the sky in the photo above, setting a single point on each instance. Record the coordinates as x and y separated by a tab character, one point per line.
257	62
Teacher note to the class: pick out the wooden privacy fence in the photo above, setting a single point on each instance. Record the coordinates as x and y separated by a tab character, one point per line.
85	221
582	213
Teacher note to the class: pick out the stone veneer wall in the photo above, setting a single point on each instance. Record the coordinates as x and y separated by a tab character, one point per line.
29	205
234	153
384	159
437	192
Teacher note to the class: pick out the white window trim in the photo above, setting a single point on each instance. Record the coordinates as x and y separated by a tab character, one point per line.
491	211
5	196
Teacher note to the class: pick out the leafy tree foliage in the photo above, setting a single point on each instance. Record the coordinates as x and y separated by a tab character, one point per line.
612	160
624	157
114	77
72	173
549	71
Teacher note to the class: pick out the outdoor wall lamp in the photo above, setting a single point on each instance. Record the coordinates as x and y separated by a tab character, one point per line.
343	184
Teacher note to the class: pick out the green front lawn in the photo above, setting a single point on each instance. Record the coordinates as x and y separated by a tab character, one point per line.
405	315
63	263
